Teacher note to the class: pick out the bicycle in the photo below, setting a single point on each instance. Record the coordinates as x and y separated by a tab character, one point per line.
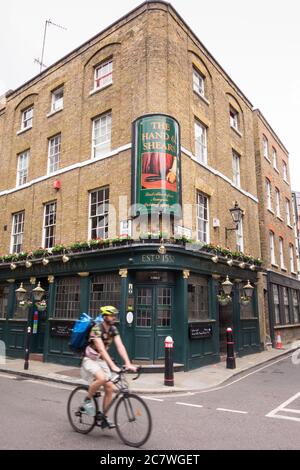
131	415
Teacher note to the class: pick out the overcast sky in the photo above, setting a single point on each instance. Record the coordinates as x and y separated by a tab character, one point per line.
257	42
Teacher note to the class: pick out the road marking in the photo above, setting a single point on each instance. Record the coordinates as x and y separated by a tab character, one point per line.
189	404
151	398
232	411
244	377
53	385
283	408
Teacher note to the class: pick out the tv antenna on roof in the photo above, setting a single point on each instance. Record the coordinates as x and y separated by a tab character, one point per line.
47	23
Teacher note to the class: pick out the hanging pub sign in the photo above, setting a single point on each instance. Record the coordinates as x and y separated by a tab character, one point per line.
156	169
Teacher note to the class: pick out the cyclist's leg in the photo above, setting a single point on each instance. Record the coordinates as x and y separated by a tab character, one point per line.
99	380
109	388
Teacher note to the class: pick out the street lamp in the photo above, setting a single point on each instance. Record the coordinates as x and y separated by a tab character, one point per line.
248	289
21	293
236	214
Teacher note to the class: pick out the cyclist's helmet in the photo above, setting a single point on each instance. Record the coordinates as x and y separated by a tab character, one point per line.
109	310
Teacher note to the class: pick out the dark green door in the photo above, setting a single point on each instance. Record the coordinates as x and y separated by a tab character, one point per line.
153	320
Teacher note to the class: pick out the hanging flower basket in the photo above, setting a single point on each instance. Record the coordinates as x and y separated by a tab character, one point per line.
41	306
24	304
245	301
224	299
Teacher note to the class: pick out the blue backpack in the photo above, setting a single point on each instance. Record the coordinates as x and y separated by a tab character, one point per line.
81	331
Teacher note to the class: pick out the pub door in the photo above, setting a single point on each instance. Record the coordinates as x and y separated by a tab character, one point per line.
154	312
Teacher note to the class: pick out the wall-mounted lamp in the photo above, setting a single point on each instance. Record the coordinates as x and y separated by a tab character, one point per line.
236	214
162	249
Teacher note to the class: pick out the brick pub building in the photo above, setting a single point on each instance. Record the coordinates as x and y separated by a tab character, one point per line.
139	114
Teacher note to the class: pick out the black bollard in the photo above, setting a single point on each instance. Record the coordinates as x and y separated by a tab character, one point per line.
169	369
230	360
27	340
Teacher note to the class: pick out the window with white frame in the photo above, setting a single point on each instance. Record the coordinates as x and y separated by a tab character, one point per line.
281	253
54	148
17	232
126	228
284	171
234	118
103	74
272	247
202	218
288	212
101	135
200	142
198	82
98	216
274	158
265	147
49	224
22	170
57	99
236	169
292	264
269	194
240	236
277	202
27	117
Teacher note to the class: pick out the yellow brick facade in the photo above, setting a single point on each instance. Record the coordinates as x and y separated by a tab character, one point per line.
153	54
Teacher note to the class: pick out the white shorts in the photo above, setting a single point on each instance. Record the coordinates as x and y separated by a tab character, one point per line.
90	367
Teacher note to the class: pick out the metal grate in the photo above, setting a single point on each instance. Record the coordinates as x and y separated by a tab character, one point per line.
68	298
105	290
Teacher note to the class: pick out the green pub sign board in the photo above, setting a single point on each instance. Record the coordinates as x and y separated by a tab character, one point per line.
156	168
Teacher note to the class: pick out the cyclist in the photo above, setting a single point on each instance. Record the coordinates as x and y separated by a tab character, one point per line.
97	363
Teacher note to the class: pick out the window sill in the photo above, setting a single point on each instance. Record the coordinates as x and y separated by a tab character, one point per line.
202	97
209	320
283	269
21	131
294	274
272	212
290	325
289	226
97	90
274	265
280	218
54	112
268	160
286	181
236	131
276	169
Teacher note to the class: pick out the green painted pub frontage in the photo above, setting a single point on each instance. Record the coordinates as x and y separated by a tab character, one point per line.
158	295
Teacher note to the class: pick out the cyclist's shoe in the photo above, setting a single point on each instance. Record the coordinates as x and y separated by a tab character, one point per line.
89	407
106	423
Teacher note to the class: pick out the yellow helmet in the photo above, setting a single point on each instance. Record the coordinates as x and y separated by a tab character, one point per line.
109	310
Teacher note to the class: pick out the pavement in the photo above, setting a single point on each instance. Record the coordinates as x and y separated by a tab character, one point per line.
151	383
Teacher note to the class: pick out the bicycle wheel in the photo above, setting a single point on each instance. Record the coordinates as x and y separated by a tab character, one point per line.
133	420
78	417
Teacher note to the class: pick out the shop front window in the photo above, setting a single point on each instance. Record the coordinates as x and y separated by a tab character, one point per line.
105	290
198	305
4	290
286	306
67	304
296	306
276	304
